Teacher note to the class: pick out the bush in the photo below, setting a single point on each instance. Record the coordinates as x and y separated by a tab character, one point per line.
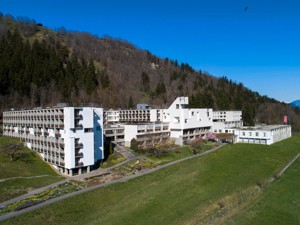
134	144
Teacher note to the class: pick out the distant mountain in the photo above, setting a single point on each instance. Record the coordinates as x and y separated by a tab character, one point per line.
296	104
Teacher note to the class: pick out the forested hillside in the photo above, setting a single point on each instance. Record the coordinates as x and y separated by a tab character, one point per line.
42	67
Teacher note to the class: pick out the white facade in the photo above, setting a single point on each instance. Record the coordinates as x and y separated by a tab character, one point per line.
70	138
112	116
186	123
264	134
147	135
115	133
223	120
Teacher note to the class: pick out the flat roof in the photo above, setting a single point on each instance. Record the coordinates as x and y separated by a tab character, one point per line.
266	127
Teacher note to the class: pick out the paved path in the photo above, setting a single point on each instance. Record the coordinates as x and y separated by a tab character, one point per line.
37	191
99	171
123	151
285	168
142	173
12	178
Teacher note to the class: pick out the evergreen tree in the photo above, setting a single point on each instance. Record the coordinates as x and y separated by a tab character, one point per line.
130	103
145	82
90	80
104	79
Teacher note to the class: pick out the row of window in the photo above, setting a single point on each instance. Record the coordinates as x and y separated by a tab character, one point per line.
256	134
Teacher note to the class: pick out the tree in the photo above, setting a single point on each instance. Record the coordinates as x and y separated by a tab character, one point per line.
14	151
104	79
130	103
160	89
134	144
248	115
145	82
90	79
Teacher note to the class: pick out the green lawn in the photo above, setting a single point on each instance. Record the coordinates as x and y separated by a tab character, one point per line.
280	203
31	165
170	155
212	188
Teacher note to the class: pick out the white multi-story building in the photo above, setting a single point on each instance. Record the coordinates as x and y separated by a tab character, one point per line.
183	123
224	120
267	134
187	123
69	138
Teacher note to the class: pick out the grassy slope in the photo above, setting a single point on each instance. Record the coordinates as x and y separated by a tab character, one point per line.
31	166
179	194
280	203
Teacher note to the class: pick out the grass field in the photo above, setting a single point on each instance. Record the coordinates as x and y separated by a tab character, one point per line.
29	166
279	204
210	189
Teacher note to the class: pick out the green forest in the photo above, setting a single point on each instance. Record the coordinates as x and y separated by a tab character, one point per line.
43	67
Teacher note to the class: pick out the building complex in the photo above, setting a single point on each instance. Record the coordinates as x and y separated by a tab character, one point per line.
71	138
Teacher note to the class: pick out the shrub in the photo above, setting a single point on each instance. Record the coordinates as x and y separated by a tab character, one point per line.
134	144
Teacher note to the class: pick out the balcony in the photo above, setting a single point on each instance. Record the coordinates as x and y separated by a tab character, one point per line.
79	164
78	145
78	126
79	155
78	116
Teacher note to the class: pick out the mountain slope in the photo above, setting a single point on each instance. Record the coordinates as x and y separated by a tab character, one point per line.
41	67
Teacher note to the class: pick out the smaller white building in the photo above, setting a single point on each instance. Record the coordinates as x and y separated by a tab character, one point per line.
266	135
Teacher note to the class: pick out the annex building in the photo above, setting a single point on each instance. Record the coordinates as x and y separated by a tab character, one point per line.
267	134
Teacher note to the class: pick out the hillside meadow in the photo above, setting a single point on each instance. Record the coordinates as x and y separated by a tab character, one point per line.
212	189
14	175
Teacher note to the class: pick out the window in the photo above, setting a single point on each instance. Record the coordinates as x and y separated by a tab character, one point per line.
265	134
192	113
250	134
177	106
256	134
244	133
185	120
88	130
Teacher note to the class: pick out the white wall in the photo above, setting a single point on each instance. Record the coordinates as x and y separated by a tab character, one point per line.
130	132
88	135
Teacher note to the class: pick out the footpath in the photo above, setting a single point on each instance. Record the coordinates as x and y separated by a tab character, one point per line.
97	173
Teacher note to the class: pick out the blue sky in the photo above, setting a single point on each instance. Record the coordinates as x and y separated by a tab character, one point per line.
256	42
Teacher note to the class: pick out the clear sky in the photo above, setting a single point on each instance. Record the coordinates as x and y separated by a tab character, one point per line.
256	42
